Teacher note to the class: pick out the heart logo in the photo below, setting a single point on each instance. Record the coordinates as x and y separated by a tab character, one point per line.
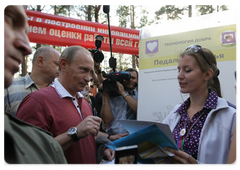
152	46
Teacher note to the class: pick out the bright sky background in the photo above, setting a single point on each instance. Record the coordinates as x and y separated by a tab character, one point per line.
114	20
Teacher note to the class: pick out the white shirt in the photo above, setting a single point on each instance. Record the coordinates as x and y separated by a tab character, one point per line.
62	92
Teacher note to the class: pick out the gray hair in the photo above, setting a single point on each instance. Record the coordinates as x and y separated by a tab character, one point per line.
70	53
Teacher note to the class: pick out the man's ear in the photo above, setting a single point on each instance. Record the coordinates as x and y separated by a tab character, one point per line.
63	64
40	61
208	74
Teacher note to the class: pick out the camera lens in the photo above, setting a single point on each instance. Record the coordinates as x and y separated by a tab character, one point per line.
98	56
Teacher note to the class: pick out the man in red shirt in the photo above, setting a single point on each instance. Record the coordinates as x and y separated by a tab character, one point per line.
61	109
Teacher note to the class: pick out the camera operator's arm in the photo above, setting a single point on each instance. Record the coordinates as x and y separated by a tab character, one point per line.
132	103
95	79
106	113
97	75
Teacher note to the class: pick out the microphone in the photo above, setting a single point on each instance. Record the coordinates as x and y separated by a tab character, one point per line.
136	84
112	60
106	9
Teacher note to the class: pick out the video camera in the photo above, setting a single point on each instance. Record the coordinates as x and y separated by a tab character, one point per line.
110	84
97	54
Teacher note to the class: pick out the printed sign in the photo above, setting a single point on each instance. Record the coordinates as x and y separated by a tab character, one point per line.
62	31
158	85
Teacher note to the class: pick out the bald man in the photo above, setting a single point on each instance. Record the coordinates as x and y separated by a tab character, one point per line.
45	67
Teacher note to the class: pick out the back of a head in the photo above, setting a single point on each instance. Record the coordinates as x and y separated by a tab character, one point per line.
42	51
214	83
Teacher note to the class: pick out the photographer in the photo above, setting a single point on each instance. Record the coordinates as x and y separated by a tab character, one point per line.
123	106
98	57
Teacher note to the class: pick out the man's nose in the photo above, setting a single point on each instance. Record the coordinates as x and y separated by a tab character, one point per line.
22	44
88	77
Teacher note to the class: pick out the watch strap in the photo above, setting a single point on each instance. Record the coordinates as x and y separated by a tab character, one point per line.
74	137
126	94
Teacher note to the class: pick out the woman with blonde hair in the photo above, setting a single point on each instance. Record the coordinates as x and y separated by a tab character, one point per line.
203	125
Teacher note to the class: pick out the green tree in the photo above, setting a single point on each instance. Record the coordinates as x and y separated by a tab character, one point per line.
126	63
96	12
36	7
87	12
189	10
81	11
123	13
132	19
62	10
126	14
222	8
171	11
205	9
144	18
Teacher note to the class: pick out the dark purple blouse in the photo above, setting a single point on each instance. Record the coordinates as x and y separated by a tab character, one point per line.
191	141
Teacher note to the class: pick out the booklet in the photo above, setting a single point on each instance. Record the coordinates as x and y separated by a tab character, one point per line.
151	138
135	125
126	155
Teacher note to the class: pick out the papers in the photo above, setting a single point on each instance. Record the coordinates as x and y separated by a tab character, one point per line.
151	138
133	126
103	161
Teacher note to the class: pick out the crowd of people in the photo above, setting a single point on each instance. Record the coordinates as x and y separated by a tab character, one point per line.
53	116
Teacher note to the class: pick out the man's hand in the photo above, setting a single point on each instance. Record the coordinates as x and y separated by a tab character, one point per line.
90	125
103	92
118	136
121	89
181	157
109	154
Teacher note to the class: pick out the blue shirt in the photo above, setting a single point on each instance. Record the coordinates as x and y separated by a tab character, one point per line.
119	110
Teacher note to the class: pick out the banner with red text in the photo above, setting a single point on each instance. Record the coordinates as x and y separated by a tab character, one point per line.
63	31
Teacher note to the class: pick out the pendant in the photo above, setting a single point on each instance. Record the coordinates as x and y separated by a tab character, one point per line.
182	132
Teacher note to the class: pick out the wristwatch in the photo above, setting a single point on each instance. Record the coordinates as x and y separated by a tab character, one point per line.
73	133
126	94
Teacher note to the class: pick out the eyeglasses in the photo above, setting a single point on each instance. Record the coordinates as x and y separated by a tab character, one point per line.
196	49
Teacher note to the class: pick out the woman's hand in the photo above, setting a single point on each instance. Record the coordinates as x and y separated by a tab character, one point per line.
118	136
181	157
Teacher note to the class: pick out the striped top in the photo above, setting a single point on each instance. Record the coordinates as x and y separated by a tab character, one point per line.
19	89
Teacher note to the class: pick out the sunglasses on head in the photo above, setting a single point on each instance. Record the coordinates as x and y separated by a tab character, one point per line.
196	49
